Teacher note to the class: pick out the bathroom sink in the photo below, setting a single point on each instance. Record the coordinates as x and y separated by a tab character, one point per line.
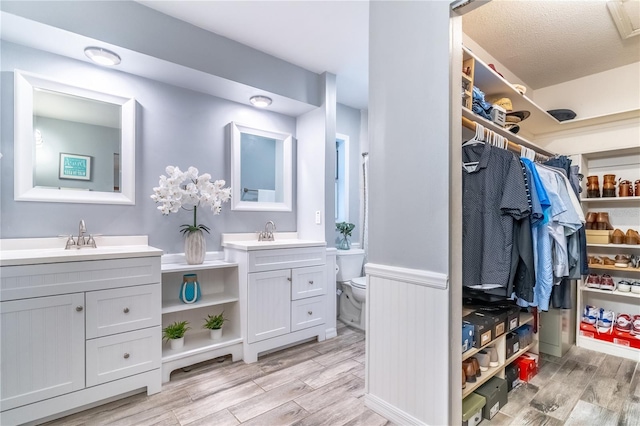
28	251
249	241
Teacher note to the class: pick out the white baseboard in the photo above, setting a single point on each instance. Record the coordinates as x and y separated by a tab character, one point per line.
390	412
331	333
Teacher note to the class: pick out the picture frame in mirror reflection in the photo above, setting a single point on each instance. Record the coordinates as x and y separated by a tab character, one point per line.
74	166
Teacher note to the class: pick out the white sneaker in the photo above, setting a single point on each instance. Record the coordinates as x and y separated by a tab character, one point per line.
606	320
590	314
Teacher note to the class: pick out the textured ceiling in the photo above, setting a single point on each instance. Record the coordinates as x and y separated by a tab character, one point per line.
546	42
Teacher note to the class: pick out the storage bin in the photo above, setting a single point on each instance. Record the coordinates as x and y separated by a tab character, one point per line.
467	337
482	328
528	367
598	237
495	392
513	344
512	375
472	409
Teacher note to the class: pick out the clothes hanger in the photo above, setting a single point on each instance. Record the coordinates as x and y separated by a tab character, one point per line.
478	138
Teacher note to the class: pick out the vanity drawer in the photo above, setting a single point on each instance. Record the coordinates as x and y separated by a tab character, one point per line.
308	282
122	355
270	260
123	309
307	313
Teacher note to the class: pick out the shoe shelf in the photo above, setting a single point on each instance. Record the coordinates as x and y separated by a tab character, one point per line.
486	375
520	352
525	318
614	268
609	348
613	293
617	246
615	200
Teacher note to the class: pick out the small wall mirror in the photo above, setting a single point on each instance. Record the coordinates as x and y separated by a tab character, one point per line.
72	144
261	169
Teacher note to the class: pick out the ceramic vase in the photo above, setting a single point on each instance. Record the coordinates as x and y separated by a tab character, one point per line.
195	247
177	343
216	333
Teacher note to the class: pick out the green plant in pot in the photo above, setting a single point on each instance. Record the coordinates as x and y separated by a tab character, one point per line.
345	229
214	324
174	333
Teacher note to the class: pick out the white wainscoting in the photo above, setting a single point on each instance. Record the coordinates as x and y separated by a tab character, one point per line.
407	378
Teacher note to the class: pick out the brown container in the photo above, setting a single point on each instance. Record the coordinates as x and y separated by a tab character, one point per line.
597	237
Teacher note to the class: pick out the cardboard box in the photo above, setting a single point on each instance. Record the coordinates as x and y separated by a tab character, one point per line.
495	392
507	312
472	409
482	328
617	337
467	337
528	367
512	375
513	316
525	335
598	237
513	344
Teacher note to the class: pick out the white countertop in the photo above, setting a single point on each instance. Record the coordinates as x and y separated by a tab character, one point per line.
249	241
31	251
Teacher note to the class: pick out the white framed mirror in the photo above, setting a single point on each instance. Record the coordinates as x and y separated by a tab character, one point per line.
72	144
261	169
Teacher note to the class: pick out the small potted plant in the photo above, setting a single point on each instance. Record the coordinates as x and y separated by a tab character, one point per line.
345	229
214	324
174	333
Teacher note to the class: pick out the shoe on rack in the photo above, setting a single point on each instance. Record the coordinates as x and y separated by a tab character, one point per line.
606	282
624	286
590	314
635	287
634	261
591	219
493	356
602	221
469	370
483	359
607	260
605	321
617	237
476	366
622	261
464	379
594	260
623	323
632	237
635	326
593	281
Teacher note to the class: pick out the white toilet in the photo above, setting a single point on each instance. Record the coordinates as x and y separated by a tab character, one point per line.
354	287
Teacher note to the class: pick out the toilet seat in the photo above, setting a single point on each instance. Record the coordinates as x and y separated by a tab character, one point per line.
360	282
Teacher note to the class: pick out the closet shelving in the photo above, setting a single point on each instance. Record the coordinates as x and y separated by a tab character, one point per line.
500	345
624	213
218	282
539	122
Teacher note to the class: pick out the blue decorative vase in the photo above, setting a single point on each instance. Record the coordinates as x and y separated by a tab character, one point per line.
190	289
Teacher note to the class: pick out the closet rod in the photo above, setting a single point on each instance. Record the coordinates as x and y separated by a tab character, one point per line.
511	146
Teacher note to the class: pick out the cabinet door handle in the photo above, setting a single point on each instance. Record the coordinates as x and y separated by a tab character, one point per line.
126	310
79	308
126	355
288	278
311	282
310	312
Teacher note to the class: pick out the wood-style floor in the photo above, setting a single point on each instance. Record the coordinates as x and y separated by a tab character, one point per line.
315	383
322	383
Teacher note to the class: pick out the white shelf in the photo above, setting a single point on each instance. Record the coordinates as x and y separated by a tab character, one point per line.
614	268
195	343
617	246
607	348
486	375
620	152
184	267
614	200
627	294
176	305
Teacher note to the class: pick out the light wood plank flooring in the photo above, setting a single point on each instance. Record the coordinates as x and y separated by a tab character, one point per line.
315	383
322	383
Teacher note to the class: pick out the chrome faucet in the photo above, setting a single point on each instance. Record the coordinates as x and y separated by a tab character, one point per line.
82	228
81	240
267	234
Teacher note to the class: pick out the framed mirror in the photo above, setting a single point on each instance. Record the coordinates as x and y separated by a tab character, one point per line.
72	144
261	169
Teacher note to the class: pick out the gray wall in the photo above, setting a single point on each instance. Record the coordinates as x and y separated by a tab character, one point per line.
174	127
62	136
348	123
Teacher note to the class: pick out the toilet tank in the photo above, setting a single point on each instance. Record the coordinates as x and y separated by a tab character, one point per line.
349	264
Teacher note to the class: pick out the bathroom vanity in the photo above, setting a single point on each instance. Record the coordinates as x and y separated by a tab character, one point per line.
287	290
78	325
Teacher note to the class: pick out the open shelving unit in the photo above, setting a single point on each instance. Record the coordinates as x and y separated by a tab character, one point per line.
218	281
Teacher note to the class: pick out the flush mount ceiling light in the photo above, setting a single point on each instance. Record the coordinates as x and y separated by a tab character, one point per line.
260	101
102	56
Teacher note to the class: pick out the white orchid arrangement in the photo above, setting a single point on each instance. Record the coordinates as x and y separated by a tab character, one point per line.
175	194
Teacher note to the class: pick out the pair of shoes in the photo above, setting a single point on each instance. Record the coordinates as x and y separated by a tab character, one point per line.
624	286
617	237
488	357
604	282
629	324
593	260
622	261
606	260
602	221
471	368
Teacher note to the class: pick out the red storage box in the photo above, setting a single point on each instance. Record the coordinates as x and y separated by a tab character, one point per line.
528	367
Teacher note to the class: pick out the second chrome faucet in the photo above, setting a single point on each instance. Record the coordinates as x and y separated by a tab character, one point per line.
267	234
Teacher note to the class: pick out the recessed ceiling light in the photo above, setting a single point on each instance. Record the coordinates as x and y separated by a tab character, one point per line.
260	101
102	56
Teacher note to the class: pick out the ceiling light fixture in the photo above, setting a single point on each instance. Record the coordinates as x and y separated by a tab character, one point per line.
102	56
260	101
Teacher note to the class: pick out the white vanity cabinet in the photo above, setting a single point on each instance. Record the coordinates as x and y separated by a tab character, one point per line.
77	327
287	292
